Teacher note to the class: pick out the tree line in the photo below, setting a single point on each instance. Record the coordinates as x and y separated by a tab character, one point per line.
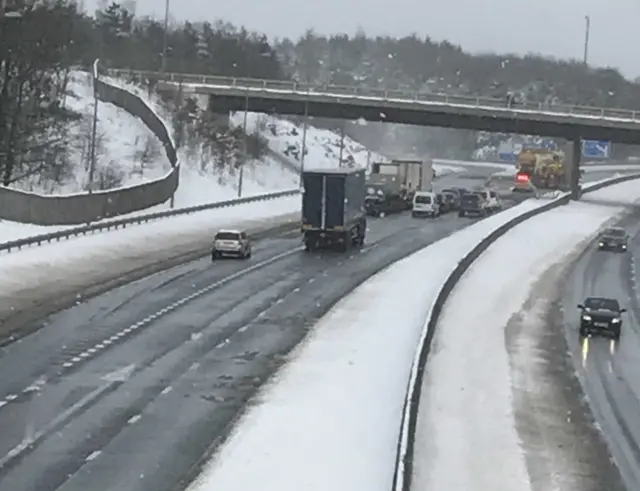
40	46
41	43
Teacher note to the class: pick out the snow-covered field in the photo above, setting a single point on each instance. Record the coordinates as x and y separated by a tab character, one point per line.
331	418
466	438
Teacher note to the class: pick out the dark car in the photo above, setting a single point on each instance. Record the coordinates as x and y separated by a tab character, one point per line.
613	239
451	200
231	243
601	316
380	206
458	190
472	204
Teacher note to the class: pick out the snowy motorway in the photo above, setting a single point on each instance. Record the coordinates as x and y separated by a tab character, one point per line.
129	389
609	370
501	407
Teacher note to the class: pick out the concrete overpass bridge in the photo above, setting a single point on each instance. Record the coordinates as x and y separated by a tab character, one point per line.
571	122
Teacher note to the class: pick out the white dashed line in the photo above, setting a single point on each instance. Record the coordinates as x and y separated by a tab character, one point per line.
166	390
243	328
134	419
167	309
3	403
296	290
11	397
93	456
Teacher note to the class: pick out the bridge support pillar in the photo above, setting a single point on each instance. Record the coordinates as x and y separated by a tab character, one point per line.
573	151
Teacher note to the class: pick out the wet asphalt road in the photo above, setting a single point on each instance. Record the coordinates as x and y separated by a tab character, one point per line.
608	370
129	389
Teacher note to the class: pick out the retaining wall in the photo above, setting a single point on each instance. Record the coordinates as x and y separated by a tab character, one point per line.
74	209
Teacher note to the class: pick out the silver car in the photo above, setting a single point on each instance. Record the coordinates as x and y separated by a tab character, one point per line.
231	243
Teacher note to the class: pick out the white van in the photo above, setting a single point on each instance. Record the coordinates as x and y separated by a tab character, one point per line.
425	203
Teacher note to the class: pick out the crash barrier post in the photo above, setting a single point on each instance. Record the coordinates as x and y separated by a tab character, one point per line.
406	442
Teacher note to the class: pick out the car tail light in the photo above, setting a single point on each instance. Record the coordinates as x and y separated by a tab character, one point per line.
521	177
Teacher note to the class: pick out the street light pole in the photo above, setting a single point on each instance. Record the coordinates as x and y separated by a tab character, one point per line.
304	137
341	145
586	38
165	35
244	144
92	163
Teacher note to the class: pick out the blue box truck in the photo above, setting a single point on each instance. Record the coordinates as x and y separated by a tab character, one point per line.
333	214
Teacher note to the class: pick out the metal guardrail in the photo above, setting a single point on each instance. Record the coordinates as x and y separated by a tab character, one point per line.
404	456
18	244
339	91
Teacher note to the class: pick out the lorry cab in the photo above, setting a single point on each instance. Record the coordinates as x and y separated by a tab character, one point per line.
425	203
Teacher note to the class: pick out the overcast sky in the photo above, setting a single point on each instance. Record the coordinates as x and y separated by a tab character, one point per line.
549	27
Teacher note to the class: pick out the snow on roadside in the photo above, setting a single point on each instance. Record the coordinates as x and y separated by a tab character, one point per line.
466	438
20	266
331	417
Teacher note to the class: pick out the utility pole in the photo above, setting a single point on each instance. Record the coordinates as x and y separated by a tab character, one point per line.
586	38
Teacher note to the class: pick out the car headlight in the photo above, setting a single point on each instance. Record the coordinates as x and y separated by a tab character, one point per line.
601	244
615	321
586	317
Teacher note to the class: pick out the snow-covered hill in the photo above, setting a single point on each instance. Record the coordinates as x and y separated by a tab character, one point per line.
128	153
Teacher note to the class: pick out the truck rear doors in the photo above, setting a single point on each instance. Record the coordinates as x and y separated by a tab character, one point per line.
323	201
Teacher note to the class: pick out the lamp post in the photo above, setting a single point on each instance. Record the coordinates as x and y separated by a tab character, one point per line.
244	143
244	132
92	163
341	145
304	137
163	66
586	38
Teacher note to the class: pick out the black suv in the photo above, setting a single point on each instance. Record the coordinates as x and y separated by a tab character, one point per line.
472	204
613	239
601	316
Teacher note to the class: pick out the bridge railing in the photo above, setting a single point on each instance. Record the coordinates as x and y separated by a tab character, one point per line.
368	93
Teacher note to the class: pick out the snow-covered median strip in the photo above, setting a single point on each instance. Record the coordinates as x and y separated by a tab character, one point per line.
33	275
466	437
12	231
331	417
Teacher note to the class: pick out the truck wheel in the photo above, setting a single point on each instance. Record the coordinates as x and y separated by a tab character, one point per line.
616	334
584	332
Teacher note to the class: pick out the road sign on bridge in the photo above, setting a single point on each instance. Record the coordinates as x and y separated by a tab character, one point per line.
596	149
